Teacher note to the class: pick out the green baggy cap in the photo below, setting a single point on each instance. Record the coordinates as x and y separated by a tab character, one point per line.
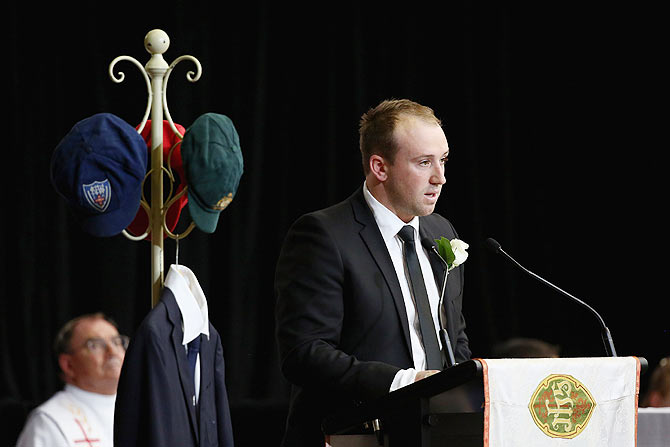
213	165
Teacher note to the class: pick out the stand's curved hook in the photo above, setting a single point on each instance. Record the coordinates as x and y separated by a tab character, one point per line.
122	76
191	76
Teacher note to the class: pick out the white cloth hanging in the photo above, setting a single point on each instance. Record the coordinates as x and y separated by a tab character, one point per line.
549	402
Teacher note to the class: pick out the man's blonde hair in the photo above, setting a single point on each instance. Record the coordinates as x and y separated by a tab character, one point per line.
378	124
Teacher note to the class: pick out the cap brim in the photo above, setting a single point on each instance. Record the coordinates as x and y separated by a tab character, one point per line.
205	219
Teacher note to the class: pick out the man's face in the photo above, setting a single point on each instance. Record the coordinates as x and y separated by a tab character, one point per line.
415	178
95	358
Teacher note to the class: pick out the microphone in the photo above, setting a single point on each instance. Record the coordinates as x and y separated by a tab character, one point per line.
494	246
444	336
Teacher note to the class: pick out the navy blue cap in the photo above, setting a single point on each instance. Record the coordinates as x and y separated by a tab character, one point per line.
213	165
98	168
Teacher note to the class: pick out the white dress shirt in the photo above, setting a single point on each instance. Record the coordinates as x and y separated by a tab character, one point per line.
193	307
389	225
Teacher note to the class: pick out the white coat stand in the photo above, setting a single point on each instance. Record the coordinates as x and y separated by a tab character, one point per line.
156	74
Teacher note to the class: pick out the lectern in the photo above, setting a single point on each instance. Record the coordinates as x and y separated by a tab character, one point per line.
443	409
590	401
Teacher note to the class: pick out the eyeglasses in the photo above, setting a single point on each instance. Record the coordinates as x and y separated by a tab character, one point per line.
96	345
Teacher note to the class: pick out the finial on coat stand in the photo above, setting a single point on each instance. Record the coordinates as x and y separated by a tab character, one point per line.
156	42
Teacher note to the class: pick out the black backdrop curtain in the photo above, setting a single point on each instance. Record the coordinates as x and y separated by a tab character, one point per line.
551	116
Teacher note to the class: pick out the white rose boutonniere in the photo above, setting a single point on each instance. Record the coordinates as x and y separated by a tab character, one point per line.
452	251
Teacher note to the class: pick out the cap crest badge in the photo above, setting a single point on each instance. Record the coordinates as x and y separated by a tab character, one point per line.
98	194
224	202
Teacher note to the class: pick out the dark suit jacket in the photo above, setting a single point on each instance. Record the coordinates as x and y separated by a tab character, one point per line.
154	399
342	327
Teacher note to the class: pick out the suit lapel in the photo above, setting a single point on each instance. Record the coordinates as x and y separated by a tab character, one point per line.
177	336
377	248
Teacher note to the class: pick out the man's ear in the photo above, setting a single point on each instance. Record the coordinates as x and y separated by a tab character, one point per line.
378	167
65	363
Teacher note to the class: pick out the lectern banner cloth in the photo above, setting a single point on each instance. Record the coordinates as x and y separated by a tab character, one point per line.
561	402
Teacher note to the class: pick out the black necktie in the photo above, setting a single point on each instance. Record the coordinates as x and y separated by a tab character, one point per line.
428	335
192	355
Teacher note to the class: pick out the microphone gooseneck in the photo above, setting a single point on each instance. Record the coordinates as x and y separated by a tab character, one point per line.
494	246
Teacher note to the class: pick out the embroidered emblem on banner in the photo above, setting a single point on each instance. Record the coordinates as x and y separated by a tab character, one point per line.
561	406
98	194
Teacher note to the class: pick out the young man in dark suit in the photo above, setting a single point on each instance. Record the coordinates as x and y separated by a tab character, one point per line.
348	308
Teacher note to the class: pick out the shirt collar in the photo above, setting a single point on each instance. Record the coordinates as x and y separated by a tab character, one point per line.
191	301
90	396
389	224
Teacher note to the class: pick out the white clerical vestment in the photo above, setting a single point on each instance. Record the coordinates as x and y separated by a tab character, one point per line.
71	417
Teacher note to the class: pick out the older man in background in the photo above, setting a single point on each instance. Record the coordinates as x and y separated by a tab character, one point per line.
90	352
